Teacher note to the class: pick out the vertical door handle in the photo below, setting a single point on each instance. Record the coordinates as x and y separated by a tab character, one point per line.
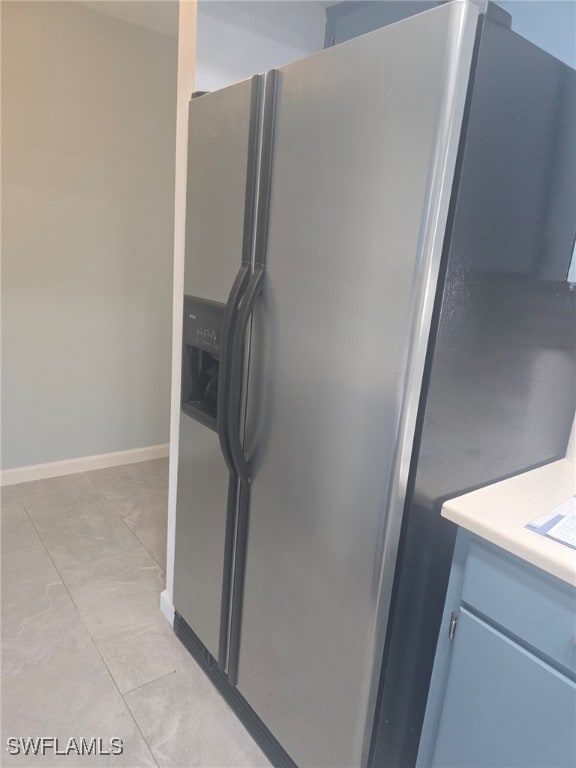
236	373
239	286
256	281
226	342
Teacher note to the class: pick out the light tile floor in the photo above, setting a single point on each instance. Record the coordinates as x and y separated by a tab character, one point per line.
85	649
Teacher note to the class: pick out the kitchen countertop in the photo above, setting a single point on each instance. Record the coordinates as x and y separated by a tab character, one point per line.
500	511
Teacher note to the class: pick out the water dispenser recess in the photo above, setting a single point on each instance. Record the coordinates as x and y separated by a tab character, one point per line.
200	358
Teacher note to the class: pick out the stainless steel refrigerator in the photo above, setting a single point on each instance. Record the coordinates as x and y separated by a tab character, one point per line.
376	317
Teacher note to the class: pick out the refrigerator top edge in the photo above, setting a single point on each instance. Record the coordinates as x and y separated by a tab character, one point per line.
475	6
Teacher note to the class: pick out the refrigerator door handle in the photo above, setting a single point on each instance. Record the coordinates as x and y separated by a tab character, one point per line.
236	373
239	287
256	281
227	335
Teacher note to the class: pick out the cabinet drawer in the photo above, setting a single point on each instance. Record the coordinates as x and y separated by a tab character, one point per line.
525	601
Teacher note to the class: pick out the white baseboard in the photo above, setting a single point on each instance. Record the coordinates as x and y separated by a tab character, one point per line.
82	464
166	606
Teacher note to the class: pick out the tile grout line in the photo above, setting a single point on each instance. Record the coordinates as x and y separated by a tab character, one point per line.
149	682
85	562
135	535
29	516
57	569
62	580
113	508
126	703
65	585
92	639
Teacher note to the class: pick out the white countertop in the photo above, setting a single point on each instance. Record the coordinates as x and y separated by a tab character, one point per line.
500	511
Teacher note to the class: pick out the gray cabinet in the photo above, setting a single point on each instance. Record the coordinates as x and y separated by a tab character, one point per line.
503	691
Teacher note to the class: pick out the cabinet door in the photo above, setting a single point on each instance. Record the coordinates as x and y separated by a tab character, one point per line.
503	707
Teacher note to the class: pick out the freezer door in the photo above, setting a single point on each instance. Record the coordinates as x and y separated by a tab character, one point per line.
218	143
365	144
218	160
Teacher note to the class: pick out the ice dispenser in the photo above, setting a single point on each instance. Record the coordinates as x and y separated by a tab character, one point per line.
200	358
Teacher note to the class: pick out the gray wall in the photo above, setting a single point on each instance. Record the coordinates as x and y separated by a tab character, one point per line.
88	129
239	38
551	24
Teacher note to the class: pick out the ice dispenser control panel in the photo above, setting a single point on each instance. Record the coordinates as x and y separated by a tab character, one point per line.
206	338
202	321
200	359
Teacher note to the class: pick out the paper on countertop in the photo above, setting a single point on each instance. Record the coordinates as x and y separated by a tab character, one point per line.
558	524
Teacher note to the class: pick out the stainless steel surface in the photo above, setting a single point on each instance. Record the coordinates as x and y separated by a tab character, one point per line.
217	161
358	209
502	379
218	153
200	530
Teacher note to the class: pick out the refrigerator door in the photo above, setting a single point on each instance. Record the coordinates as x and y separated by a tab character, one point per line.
365	146
219	148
